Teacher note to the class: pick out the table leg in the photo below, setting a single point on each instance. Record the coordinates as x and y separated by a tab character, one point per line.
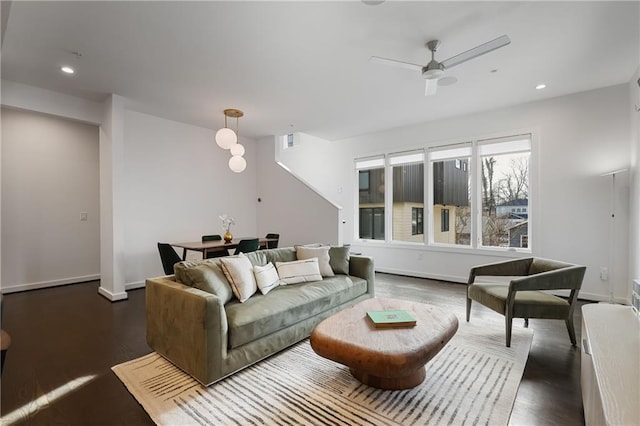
184	254
390	383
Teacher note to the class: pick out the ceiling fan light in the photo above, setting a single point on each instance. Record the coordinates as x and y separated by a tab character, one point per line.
226	137
237	149
237	163
433	73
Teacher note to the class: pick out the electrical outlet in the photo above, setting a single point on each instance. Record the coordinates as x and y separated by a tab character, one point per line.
84	216
604	273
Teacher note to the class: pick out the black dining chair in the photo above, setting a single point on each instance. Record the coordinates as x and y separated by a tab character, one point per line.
168	256
217	253
247	246
273	244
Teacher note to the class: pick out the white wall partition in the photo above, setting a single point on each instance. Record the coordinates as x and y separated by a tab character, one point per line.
178	183
289	207
634	211
49	178
576	139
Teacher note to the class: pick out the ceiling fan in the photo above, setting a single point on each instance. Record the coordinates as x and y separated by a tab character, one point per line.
434	70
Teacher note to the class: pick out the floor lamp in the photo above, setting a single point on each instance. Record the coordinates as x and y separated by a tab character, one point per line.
612	230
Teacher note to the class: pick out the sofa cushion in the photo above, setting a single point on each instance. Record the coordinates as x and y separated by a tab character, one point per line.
528	304
266	277
239	273
205	276
262	315
299	271
339	260
322	253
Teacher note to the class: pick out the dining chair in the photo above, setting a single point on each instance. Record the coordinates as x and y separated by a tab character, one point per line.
249	245
168	256
217	253
273	244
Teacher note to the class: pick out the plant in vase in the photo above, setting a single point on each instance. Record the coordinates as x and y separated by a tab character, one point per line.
226	226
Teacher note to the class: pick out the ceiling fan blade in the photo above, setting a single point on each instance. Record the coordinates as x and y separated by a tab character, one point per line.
476	51
431	86
395	63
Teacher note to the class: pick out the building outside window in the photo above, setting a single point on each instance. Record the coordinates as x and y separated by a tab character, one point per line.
407	198
451	195
371	203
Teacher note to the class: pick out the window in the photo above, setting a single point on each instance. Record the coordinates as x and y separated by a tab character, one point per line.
451	194
477	195
371	203
444	220
504	174
417	221
289	140
407	196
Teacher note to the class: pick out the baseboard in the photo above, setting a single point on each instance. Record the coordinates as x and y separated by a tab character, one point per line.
45	284
134	285
114	297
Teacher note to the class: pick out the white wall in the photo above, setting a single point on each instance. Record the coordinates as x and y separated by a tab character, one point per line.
49	175
634	211
578	137
290	208
177	184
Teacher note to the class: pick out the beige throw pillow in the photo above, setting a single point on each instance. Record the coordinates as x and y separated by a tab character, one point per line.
239	273
266	277
322	253
299	271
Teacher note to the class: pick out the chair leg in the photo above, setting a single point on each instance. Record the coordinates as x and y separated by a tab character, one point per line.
526	323
468	308
508	324
571	330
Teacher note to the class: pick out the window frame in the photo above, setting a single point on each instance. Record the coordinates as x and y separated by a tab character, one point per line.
473	167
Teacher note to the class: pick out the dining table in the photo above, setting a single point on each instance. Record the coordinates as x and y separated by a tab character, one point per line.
206	247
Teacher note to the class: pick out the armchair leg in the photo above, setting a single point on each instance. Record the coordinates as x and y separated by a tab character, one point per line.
508	324
526	323
468	308
571	330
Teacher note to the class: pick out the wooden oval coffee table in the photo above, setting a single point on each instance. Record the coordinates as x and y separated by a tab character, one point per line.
384	358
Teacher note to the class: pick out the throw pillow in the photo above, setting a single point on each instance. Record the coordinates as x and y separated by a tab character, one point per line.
322	253
210	278
339	260
239	273
299	271
266	277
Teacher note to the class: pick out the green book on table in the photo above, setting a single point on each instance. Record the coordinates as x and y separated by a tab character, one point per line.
387	319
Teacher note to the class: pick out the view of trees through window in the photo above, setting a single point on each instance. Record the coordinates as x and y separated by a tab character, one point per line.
505	199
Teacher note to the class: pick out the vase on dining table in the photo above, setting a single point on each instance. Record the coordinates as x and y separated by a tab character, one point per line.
227	237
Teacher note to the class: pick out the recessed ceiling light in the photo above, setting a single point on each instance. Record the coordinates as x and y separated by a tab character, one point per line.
541	86
67	70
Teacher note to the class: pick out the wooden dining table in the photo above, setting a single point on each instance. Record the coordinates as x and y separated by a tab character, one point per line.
206	247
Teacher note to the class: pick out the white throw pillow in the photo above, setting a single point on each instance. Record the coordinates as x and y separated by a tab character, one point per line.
239	273
298	271
322	253
266	277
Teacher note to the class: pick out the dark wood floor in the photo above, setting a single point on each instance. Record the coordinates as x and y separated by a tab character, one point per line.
63	334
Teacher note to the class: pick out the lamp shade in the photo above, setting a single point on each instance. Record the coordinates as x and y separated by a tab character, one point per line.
237	149
226	137
237	163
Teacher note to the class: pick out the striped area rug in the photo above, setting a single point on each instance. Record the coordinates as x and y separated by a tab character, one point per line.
473	380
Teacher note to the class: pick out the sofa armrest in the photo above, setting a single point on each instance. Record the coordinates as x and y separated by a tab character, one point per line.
516	267
187	326
569	278
362	266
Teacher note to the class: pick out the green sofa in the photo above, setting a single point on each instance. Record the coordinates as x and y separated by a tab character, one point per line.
194	322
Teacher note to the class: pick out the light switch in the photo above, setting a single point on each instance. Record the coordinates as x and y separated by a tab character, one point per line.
84	216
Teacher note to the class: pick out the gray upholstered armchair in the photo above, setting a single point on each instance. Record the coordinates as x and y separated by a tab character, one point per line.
523	296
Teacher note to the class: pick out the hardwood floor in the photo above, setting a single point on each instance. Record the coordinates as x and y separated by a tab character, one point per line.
65	335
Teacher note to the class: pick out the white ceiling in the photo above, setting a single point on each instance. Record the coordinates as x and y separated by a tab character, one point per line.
306	64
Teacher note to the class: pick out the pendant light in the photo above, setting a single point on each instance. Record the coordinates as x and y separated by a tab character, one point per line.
225	137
